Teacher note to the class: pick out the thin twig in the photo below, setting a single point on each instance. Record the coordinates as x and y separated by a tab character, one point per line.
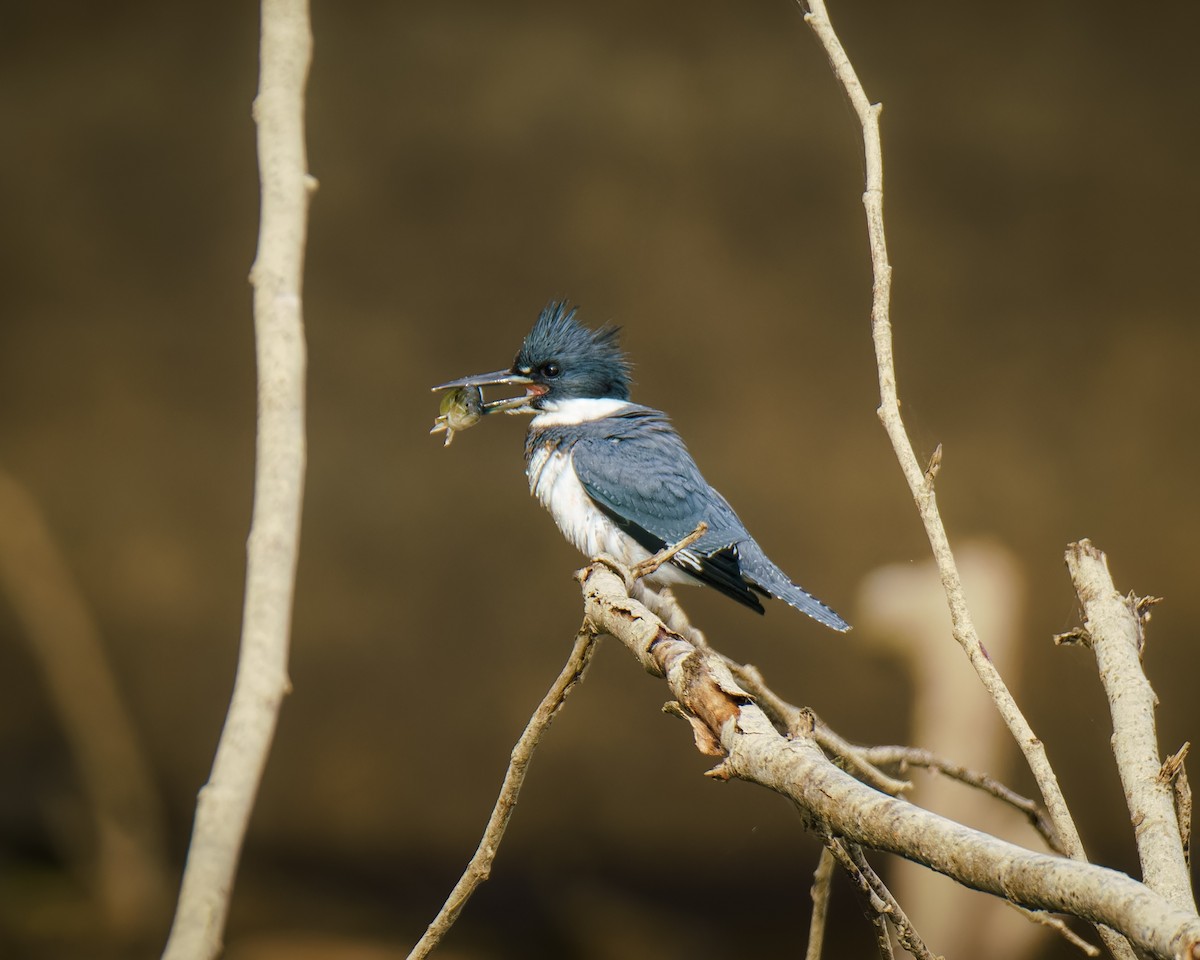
1175	773
821	890
1183	805
480	866
883	936
880	906
224	805
906	933
916	757
840	851
853	758
797	721
1058	926
650	565
921	486
1172	766
1115	625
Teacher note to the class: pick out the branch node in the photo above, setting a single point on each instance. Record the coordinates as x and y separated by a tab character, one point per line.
673	708
1141	608
1078	636
1173	764
1057	924
703	737
935	464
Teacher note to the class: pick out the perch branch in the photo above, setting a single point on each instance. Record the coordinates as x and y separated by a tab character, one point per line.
725	720
225	802
1114	624
480	866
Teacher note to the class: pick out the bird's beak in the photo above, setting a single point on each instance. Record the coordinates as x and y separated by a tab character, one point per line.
499	378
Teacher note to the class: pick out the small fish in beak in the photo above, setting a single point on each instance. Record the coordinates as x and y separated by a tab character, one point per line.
461	409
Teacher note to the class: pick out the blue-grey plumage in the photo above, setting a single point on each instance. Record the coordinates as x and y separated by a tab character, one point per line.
616	476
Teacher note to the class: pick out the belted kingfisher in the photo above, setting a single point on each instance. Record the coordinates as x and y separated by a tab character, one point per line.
615	475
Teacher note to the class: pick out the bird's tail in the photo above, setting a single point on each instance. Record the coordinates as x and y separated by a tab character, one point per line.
763	574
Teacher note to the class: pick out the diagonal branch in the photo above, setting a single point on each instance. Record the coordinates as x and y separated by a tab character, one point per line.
480	866
916	757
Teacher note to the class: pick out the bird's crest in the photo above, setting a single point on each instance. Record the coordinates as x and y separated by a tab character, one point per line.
596	354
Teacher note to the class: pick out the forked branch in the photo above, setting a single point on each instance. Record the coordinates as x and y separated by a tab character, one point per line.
921	482
726	721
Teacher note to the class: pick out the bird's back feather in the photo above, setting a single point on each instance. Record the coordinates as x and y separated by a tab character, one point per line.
637	471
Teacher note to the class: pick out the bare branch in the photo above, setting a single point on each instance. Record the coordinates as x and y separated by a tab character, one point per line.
798	721
921	488
906	933
1173	765
821	889
224	805
836	804
1115	624
480	866
1174	773
1058	926
853	759
883	937
915	757
865	761
874	907
882	908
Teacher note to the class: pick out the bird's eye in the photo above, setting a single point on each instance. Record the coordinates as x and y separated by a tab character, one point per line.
551	370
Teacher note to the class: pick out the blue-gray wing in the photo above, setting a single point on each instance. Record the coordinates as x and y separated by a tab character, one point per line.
642	477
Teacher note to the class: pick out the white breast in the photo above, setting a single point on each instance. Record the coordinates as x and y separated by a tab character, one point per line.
553	481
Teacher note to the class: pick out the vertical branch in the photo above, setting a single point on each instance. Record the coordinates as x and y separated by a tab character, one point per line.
1114	629
821	890
225	802
921	481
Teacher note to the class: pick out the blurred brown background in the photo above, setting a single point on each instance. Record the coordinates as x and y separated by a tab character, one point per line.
691	172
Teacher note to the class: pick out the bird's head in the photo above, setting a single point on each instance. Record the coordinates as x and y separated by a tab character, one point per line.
560	359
